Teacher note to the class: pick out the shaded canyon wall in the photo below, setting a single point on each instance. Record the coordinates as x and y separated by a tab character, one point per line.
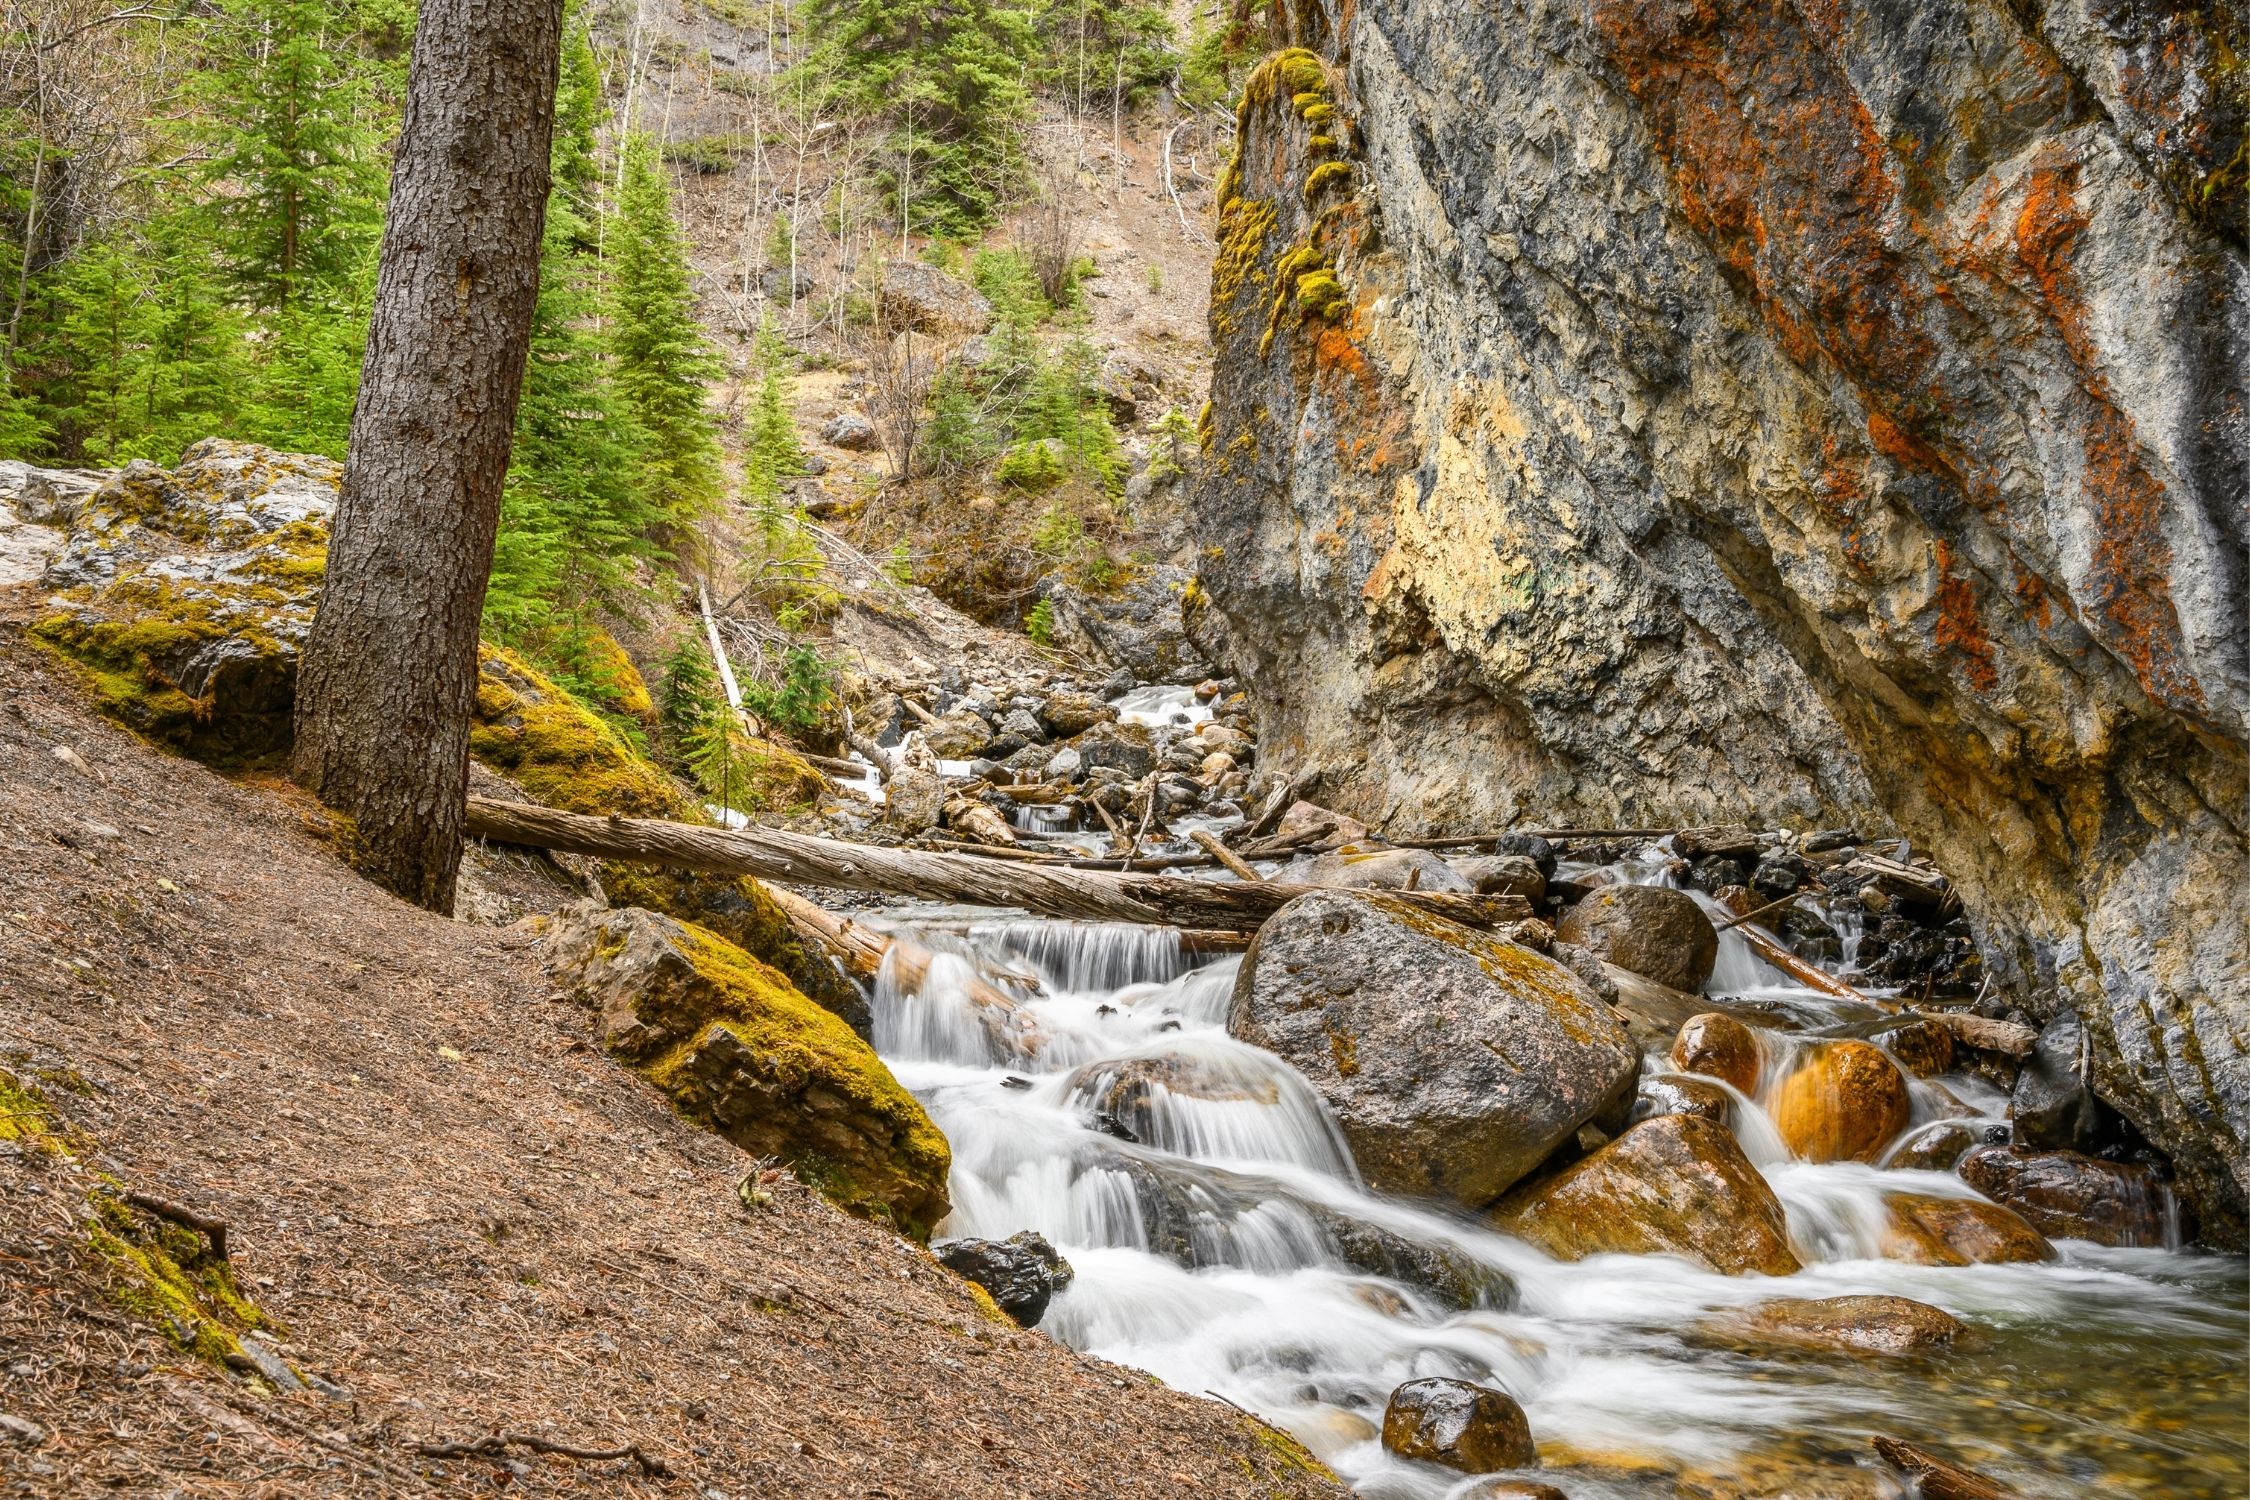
1698	410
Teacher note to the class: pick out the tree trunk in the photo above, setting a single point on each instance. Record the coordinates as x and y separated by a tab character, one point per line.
389	672
974	880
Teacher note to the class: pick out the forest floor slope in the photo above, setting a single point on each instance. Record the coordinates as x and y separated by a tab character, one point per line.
453	1208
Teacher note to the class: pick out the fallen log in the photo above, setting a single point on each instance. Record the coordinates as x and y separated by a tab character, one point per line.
975	880
1806	974
1209	844
1939	1478
2007	1038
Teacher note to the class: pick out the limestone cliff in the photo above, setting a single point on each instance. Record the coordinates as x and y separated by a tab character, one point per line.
1653	411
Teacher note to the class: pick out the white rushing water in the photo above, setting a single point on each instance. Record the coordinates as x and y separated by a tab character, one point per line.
1204	1198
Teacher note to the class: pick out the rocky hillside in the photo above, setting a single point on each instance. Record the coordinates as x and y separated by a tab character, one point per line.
301	1183
1657	414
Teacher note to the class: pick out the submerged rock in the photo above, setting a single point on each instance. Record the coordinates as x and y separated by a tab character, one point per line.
1934	1148
737	1048
1720	1047
2069	1196
1652	930
1675	1185
1454	1061
1473	1428
1864	1325
1845	1102
1453	1278
1934	1231
1022	1273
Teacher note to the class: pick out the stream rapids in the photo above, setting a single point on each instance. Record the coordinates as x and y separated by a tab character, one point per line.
1205	1247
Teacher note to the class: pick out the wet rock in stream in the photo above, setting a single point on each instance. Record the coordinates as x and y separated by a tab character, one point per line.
1022	1273
1676	1185
1860	1325
1454	1061
1719	1046
1931	1231
1650	929
1464	1426
2070	1196
1844	1103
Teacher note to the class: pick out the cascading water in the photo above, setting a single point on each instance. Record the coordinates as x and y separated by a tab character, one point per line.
1222	1241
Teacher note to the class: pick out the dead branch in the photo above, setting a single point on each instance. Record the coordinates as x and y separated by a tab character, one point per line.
214	1230
495	1444
1209	844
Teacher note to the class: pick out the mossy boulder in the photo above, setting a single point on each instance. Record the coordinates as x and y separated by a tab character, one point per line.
739	1049
1673	1185
183	595
564	755
1455	1061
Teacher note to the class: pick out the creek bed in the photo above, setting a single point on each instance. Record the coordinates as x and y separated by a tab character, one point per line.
1204	1232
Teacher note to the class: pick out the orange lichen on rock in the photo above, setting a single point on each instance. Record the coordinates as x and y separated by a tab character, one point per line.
2131	580
1959	628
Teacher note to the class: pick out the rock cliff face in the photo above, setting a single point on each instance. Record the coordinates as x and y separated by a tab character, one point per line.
1648	411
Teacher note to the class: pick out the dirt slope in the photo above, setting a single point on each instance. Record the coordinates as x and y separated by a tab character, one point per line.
456	1211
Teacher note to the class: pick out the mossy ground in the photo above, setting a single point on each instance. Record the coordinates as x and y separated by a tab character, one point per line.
161	1273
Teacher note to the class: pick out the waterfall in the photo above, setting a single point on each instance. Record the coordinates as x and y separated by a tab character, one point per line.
1223	1241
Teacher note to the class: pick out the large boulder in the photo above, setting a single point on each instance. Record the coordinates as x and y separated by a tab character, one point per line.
1454	1061
1140	626
737	1048
913	295
2068	1196
1932	1231
1460	1425
2053	1108
1673	1185
1652	930
1021	1273
1844	1101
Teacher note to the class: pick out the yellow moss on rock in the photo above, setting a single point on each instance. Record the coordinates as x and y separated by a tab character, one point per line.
738	1048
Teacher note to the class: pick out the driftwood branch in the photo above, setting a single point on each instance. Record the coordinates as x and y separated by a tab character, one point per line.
974	880
214	1230
1938	1478
494	1444
1209	844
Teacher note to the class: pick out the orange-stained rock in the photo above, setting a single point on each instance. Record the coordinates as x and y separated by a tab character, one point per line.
1674	1185
1718	1046
1843	1103
1932	1231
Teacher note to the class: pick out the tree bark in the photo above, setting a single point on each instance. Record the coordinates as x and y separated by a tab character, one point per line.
1086	895
388	678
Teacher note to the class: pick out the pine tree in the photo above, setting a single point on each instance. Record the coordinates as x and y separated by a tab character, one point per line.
302	169
952	82
772	455
574	527
659	354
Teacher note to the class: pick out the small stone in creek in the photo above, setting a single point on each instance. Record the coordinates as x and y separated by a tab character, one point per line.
1473	1428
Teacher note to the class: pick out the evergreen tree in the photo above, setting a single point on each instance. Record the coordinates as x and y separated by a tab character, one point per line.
574	526
659	354
953	84
302	170
772	454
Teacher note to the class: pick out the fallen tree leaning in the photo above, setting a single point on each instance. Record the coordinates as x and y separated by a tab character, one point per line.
975	880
